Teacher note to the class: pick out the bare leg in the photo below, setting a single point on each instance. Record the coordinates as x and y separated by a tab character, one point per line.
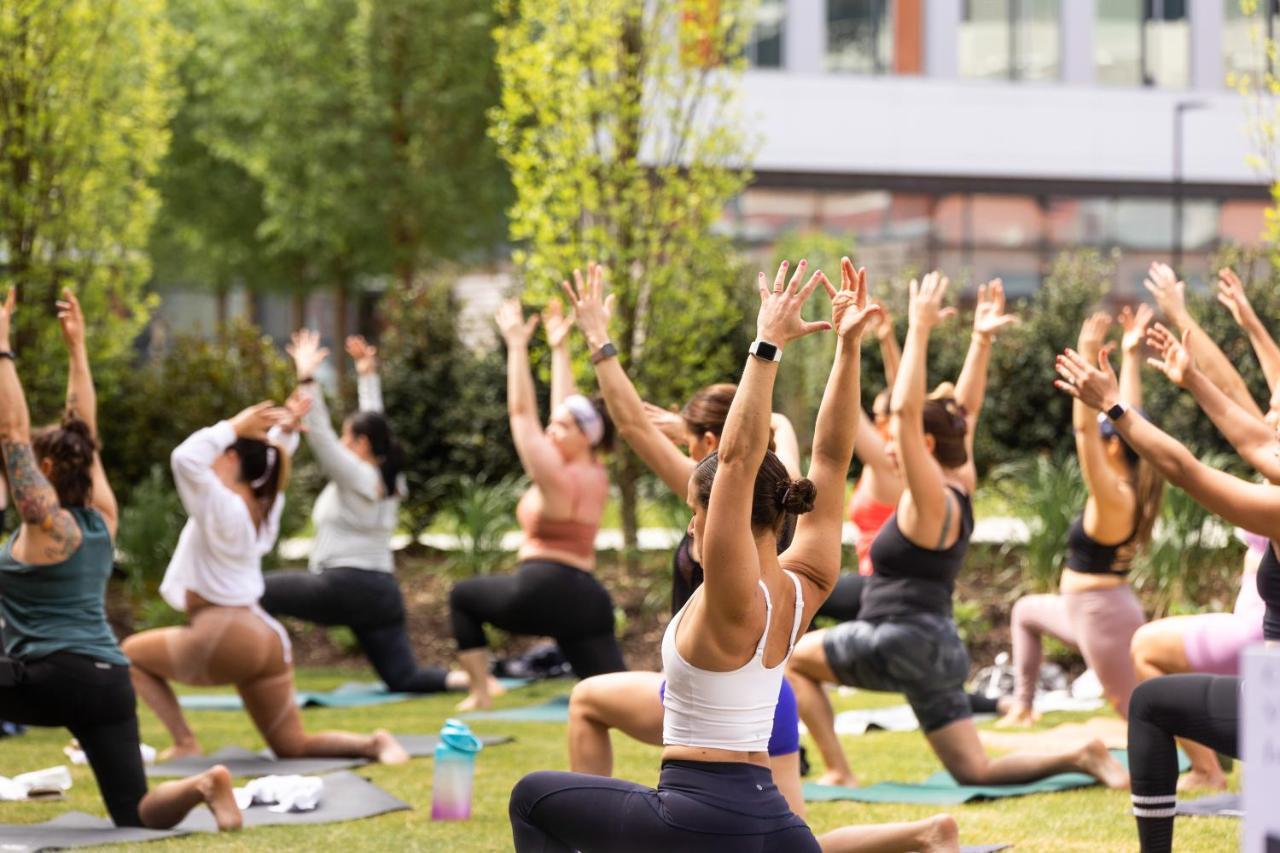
1158	648
168	803
960	751
937	834
807	670
627	701
269	701
475	663
151	666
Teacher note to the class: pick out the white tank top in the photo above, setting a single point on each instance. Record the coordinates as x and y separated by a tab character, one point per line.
724	710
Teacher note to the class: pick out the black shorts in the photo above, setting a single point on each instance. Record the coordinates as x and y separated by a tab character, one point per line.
919	655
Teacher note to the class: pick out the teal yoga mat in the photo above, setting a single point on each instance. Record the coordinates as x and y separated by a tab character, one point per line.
554	710
353	695
941	790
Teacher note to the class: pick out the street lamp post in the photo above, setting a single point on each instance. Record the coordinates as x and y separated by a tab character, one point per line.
1179	109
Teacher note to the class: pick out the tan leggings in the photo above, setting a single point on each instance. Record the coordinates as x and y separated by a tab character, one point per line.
232	645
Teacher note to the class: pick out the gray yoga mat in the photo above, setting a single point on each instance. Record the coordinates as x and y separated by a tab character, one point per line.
346	797
1219	805
248	764
74	829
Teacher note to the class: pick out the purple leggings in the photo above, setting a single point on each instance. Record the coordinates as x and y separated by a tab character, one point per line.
1100	623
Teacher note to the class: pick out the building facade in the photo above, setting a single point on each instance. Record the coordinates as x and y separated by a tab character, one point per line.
983	137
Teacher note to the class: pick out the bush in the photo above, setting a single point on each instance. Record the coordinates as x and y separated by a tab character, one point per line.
1051	492
446	403
149	528
479	514
196	383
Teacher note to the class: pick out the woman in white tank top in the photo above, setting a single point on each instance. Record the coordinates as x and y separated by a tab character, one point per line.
725	652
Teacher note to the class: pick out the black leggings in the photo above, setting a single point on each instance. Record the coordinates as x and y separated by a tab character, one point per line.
95	700
698	806
369	602
1201	708
543	598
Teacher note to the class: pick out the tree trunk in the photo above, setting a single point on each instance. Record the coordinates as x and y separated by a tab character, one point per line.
628	471
345	389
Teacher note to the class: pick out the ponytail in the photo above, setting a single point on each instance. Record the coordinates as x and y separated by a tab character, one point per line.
266	468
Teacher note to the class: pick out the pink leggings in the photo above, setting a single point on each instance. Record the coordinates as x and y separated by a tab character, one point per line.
1100	623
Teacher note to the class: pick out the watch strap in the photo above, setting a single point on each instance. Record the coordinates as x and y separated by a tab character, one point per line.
607	350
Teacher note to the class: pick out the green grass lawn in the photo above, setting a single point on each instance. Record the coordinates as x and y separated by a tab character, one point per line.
1092	819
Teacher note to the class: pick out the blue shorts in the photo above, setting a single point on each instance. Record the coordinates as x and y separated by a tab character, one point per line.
785	738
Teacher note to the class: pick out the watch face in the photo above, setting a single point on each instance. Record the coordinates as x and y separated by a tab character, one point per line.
766	351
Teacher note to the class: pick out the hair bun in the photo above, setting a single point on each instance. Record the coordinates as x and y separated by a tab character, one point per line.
78	433
797	496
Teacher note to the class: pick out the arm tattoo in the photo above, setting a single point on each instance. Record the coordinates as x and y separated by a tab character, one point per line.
37	502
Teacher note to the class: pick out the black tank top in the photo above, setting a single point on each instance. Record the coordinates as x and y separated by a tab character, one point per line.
1269	592
1090	557
911	579
686	572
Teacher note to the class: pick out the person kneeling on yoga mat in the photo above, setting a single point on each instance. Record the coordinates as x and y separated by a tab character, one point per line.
231	478
61	665
559	515
351	571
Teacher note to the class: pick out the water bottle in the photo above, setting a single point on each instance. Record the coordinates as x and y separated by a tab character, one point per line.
455	769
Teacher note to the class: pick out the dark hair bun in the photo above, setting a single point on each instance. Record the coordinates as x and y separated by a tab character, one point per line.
797	496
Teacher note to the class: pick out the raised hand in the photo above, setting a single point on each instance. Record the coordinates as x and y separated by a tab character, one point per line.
988	315
1231	294
1093	334
668	423
1096	387
779	321
304	347
364	354
555	324
591	308
258	419
1169	292
515	330
1175	359
1135	325
7	308
71	319
924	308
850	314
296	407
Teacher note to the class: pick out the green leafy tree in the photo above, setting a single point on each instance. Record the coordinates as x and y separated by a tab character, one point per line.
86	93
358	127
618	121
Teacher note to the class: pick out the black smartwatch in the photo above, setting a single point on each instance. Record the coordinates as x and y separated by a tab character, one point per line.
1116	411
766	351
607	350
8	353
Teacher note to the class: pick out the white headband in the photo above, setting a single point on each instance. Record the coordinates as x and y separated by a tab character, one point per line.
587	418
272	455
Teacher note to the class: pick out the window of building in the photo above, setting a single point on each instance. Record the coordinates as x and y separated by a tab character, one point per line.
1010	39
859	36
1142	43
1244	37
764	47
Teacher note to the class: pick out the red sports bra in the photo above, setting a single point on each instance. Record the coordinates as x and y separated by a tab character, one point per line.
565	535
868	515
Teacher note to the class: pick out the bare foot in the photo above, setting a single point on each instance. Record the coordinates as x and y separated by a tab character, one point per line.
215	786
940	835
1018	717
180	750
835	777
1096	761
1196	780
476	702
389	749
494	686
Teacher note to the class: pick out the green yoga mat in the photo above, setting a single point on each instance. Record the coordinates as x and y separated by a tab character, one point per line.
353	695
554	710
941	790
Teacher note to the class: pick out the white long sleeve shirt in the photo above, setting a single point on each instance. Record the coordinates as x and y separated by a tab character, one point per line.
353	517
219	554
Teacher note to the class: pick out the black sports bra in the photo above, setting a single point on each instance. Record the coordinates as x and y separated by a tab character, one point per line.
1269	592
686	574
1088	556
909	578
